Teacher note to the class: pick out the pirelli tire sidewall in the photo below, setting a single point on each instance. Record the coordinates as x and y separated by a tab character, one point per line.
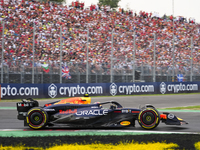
37	118
149	118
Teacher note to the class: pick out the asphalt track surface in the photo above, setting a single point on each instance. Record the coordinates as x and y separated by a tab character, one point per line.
8	117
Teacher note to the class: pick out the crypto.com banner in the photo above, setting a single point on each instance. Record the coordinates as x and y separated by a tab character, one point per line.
18	91
153	88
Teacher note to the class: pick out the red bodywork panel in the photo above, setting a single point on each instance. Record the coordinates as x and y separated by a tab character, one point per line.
75	100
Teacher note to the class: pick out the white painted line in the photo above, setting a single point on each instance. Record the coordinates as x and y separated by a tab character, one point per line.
11	129
125	131
140	131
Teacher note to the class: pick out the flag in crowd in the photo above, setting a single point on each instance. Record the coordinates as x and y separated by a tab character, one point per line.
65	72
45	67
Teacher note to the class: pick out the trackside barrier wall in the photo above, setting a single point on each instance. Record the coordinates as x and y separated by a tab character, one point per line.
19	91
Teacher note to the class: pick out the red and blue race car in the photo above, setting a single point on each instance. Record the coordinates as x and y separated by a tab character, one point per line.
78	112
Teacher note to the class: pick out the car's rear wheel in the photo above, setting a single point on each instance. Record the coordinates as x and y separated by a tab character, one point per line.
37	118
149	118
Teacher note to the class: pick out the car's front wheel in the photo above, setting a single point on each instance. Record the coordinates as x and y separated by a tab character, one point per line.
149	118
37	118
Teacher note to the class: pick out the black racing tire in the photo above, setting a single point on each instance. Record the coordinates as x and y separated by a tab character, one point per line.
149	118
37	118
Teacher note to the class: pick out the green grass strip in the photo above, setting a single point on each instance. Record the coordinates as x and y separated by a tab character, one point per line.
72	133
187	107
11	108
176	110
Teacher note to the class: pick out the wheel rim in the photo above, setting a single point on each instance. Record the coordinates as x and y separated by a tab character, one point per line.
148	118
36	118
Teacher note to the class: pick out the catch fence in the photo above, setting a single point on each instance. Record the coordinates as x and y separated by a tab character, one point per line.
54	53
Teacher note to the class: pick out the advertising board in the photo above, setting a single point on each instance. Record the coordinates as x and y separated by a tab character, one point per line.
19	91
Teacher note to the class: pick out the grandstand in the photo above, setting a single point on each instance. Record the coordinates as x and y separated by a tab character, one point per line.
19	18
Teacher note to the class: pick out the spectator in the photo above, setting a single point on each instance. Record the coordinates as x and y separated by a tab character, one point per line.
75	20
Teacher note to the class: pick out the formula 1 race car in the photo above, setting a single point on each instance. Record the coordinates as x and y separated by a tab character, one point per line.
77	112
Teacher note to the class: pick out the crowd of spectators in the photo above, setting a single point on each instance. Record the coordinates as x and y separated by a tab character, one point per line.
101	22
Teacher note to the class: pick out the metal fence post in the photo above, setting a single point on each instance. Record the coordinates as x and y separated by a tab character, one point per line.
87	65
8	72
111	66
2	56
142	71
154	59
191	65
133	75
33	53
173	65
61	54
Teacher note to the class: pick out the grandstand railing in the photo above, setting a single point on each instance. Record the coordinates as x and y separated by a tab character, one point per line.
23	74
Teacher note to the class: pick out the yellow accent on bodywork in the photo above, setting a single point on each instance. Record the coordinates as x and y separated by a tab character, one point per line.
125	123
88	100
179	119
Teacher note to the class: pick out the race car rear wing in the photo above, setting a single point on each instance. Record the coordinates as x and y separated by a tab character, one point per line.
24	106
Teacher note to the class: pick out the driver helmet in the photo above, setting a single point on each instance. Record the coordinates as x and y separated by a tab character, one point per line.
86	95
100	106
112	106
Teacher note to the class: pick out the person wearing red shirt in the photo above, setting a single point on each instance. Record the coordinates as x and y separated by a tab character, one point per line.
82	5
77	4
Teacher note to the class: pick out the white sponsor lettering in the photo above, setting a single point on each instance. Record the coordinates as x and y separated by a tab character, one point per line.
94	107
92	112
23	104
12	91
182	87
49	109
171	116
72	91
126	111
129	89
